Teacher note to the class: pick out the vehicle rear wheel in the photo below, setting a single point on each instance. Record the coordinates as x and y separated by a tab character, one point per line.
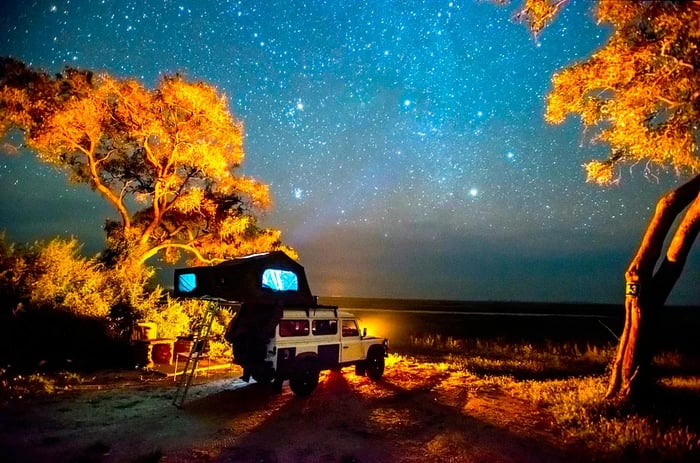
304	377
375	364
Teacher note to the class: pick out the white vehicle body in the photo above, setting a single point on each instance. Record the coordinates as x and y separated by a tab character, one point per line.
336	340
307	341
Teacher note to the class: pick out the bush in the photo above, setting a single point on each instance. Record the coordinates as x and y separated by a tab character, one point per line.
60	309
54	275
176	317
63	280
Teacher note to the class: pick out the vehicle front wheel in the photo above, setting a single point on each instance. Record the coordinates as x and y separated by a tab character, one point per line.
304	377
375	364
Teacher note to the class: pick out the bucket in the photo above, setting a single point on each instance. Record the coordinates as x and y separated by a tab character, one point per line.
161	353
145	331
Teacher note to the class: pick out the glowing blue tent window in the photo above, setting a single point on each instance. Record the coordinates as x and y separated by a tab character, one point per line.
187	282
280	280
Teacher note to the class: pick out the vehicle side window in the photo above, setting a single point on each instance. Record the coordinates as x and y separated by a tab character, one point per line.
294	328
350	328
321	327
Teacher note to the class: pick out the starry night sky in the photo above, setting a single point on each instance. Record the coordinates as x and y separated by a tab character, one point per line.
404	142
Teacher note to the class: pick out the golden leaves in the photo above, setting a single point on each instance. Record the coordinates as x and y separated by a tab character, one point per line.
173	149
257	193
190	201
601	173
640	92
233	226
537	14
66	281
142	197
14	108
171	255
616	11
78	127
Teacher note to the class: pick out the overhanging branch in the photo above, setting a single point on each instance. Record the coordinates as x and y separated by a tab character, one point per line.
186	247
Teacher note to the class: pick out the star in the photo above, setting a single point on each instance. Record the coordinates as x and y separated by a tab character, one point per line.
365	119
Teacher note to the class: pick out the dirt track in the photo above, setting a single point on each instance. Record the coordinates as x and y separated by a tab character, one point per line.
419	412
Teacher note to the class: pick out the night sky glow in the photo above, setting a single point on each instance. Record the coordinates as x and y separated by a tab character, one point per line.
404	142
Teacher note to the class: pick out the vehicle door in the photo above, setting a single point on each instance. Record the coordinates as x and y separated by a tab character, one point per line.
325	332
351	348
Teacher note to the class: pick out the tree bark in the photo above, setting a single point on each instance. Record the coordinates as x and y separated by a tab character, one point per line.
647	289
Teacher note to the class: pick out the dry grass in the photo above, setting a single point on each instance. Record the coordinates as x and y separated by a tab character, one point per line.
519	360
578	408
569	381
35	384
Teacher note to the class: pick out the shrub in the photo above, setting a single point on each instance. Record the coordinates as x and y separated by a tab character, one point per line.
174	317
60	308
63	280
54	275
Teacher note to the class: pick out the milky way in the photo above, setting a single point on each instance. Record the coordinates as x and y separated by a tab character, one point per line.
404	142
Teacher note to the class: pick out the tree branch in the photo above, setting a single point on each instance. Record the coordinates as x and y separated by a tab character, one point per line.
104	189
671	268
667	209
186	247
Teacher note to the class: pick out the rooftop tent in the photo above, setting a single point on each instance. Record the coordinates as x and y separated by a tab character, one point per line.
268	278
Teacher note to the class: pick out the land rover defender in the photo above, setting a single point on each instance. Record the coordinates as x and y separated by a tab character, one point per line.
279	331
308	341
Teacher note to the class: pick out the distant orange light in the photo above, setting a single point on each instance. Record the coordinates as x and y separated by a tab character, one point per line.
375	326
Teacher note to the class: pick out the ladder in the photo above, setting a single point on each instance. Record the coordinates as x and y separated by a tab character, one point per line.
200	337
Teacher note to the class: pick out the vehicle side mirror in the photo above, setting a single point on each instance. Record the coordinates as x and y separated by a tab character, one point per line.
364	332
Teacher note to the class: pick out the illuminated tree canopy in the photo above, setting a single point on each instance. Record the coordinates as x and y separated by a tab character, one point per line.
163	158
639	94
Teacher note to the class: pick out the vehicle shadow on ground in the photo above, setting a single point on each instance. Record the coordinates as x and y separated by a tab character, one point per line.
352	419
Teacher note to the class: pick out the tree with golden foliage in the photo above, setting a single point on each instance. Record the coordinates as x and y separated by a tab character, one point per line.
640	95
163	158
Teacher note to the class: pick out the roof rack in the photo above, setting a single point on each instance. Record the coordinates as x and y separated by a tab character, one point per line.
308	310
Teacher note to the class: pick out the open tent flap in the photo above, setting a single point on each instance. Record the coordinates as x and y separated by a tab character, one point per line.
251	330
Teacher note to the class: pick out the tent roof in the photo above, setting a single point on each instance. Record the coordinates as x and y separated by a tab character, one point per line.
267	278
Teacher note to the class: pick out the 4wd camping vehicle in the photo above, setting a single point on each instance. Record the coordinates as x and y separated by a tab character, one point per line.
279	331
320	338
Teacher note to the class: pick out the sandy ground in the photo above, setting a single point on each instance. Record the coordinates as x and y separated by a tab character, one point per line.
418	413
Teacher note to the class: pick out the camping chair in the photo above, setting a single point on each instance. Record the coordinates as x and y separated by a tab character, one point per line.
199	352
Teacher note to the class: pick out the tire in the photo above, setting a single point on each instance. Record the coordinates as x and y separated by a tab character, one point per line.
374	365
304	377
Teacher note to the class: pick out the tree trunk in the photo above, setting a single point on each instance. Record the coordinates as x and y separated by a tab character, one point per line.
647	287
